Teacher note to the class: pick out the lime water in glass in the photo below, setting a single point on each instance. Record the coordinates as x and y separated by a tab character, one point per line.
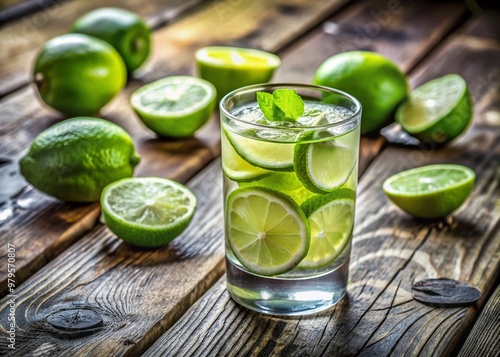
289	199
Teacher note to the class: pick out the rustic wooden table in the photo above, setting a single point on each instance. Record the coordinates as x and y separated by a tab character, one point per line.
172	301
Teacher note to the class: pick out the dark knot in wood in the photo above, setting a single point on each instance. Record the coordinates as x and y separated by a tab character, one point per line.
75	320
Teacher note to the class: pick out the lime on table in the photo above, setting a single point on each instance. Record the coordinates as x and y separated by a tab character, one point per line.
263	154
148	211
126	31
78	74
438	110
431	191
235	167
75	159
325	166
174	106
266	230
374	80
331	218
229	68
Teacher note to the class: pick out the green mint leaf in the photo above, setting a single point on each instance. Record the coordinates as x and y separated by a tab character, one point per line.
289	102
282	105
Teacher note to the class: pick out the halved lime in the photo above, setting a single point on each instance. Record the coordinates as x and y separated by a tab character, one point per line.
438	110
325	166
267	155
235	167
147	211
174	106
266	230
229	68
331	218
430	191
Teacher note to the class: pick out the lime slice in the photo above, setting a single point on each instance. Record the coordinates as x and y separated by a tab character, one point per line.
324	166
235	167
438	110
267	155
147	211
430	191
266	230
278	181
174	106
229	68
331	218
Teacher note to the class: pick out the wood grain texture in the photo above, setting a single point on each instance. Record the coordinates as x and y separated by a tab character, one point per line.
137	293
484	338
22	117
22	39
484	24
390	251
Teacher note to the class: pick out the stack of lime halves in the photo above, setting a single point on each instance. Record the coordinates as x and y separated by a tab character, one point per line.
293	206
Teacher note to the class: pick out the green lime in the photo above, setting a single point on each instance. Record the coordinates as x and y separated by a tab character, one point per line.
76	158
126	31
373	79
331	217
174	106
438	110
324	166
267	155
266	230
78	75
431	191
278	181
234	166
229	68
147	211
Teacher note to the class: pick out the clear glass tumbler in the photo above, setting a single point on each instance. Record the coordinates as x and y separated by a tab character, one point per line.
289	199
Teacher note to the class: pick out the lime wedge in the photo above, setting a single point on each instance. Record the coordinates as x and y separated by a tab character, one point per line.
331	218
324	166
438	110
147	211
267	155
174	106
235	167
431	191
266	230
229	68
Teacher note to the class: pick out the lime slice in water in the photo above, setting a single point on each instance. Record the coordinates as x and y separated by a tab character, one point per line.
266	230
147	211
430	191
235	167
175	106
439	110
324	166
331	218
267	155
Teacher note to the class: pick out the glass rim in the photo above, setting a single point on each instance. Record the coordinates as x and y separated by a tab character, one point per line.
254	87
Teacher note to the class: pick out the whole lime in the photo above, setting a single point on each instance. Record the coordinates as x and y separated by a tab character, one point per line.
373	79
78	74
76	158
126	31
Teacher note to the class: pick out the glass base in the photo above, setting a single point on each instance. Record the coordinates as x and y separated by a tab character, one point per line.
287	296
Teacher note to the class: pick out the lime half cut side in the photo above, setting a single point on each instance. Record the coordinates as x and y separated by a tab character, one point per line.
431	191
438	110
235	167
267	155
266	230
175	106
332	219
325	166
147	211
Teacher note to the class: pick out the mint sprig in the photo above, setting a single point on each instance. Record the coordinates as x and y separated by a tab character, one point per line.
282	105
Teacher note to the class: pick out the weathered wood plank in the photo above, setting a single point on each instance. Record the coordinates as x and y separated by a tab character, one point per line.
22	39
485	24
23	117
391	250
484	338
137	293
